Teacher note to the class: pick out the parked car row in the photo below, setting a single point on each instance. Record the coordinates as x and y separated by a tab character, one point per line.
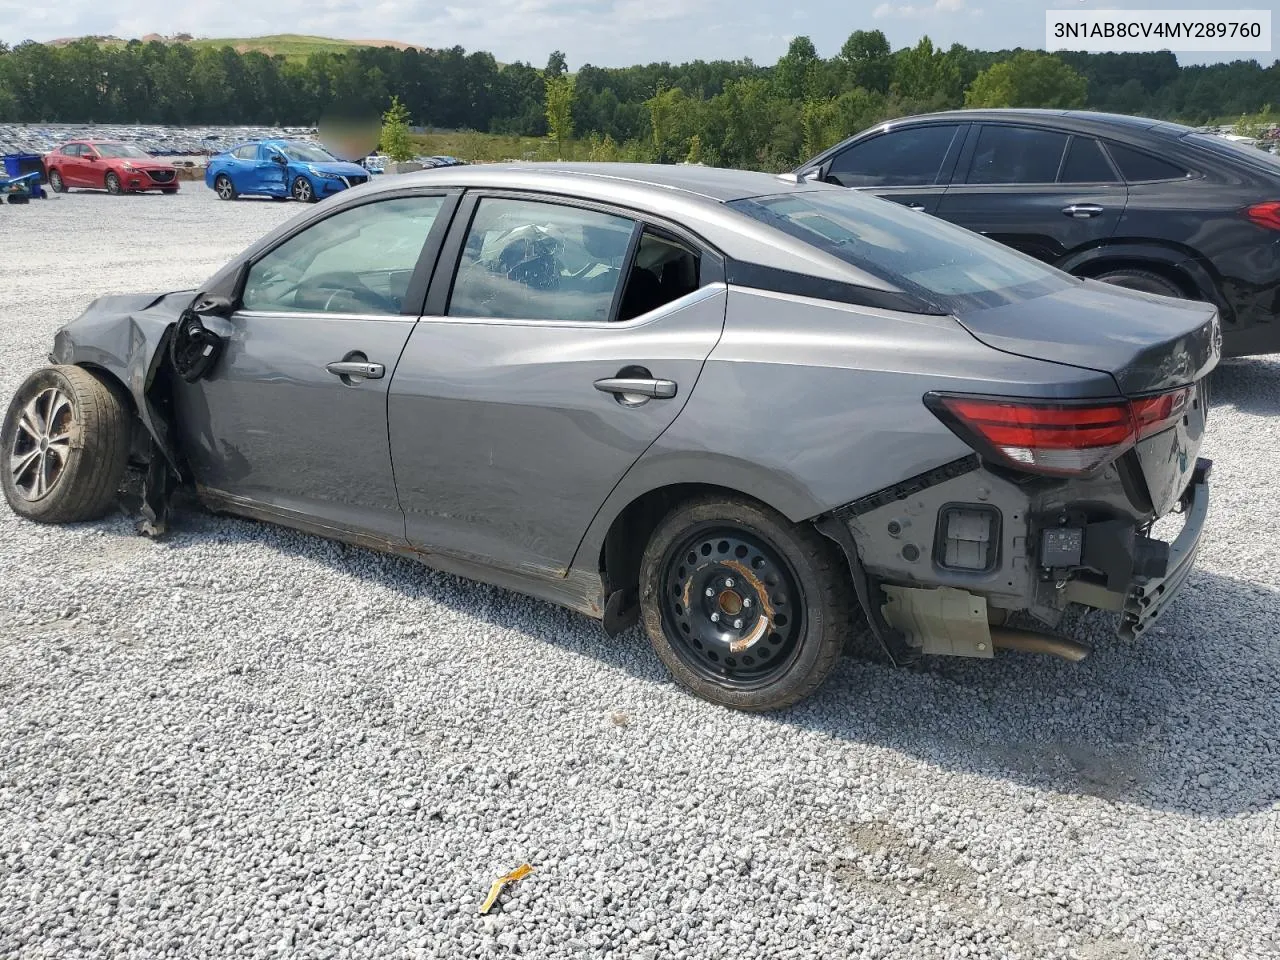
155	140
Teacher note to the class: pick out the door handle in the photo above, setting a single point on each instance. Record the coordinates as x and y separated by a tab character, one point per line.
362	369
641	388
915	206
1082	211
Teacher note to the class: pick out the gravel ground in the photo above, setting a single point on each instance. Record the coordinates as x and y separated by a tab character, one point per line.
246	742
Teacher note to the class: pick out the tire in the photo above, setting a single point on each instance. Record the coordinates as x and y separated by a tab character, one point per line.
224	187
794	629
170	193
56	183
303	191
112	182
1143	280
90	426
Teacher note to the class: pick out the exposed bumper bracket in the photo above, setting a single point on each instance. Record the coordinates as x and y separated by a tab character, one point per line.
1147	601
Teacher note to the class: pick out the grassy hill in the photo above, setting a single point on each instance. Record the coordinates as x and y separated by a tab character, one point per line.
293	46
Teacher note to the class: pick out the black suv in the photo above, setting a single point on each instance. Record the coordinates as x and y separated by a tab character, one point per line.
1140	203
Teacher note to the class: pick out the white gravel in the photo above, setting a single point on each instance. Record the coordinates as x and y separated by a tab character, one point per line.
246	742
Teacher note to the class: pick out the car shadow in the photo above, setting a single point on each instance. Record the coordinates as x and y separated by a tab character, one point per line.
1249	384
1169	723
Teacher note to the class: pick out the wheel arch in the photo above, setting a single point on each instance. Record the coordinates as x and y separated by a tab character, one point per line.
615	546
1181	267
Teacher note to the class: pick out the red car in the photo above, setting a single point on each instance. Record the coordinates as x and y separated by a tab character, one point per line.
107	165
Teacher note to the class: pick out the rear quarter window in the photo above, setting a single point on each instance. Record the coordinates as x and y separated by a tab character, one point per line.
1137	166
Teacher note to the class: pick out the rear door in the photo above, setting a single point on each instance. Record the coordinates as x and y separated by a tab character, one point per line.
1040	191
909	165
560	340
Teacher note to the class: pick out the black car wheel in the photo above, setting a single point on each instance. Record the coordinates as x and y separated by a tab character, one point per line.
303	191
224	188
112	183
55	182
1143	280
66	439
746	609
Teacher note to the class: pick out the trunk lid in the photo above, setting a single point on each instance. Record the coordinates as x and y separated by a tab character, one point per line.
1146	342
1149	344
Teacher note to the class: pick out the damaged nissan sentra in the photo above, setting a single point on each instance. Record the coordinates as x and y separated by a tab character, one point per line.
743	410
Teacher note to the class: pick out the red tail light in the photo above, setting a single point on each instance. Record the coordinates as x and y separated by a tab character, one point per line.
1064	439
1265	214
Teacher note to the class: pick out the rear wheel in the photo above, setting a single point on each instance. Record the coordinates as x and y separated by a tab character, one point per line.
55	182
112	183
66	439
224	188
1143	280
303	191
746	609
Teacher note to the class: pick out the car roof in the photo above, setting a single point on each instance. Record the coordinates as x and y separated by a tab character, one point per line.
652	180
1080	120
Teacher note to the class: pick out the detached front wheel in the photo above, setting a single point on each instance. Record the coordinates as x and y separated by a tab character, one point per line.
746	609
66	436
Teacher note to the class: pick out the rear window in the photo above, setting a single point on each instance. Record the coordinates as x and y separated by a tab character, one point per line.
937	261
1137	166
1258	159
1016	155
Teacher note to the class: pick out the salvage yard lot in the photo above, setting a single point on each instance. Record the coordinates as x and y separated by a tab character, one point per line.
242	741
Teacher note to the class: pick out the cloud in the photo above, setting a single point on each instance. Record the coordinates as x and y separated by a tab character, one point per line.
911	11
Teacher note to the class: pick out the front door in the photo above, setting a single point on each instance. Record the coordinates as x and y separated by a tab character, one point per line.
910	165
75	167
1039	191
293	419
571	339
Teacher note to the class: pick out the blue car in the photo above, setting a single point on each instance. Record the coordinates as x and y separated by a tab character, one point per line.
282	169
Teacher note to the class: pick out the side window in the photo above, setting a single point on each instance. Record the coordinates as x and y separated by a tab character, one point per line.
358	261
1016	155
1138	166
71	150
1085	163
529	260
898	158
664	269
248	152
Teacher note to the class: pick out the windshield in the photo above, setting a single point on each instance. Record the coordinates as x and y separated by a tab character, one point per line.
940	262
307	152
121	150
1241	151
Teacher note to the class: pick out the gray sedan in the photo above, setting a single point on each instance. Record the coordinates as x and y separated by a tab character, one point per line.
749	412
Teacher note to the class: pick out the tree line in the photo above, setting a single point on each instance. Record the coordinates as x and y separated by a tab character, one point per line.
735	113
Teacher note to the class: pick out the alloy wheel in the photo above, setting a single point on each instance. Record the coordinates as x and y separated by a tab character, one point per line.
223	188
112	183
302	190
734	610
55	181
41	444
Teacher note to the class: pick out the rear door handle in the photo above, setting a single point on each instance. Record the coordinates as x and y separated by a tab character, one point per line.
1082	211
644	388
915	206
356	368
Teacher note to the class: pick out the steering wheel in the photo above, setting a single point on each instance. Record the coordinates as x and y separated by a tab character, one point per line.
350	285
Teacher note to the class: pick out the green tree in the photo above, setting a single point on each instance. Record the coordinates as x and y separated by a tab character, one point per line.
695	149
395	140
557	66
793	71
926	77
559	109
1029	79
868	60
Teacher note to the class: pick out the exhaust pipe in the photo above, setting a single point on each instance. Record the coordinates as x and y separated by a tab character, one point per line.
1028	641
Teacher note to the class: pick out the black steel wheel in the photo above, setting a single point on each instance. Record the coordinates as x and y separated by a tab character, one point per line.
746	609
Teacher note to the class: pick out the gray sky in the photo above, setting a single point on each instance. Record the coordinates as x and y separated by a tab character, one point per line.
602	32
